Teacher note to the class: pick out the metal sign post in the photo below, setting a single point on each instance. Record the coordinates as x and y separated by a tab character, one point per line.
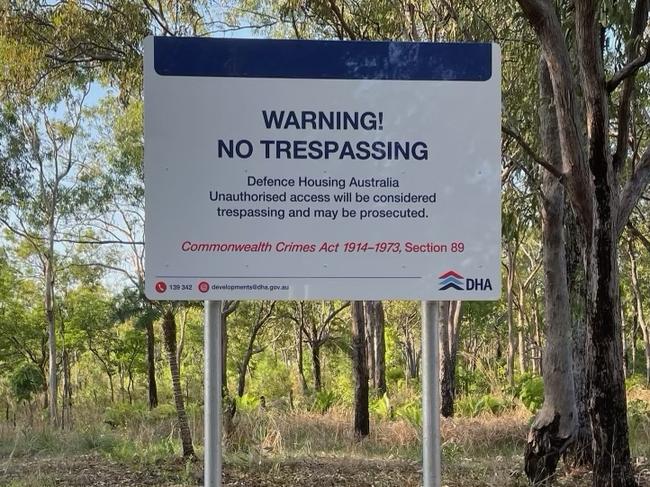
212	393
430	396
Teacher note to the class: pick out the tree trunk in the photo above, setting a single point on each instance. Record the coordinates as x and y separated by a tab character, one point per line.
380	347
151	366
169	333
608	405
368	314
580	452
51	334
263	316
510	364
521	339
66	413
224	354
243	368
315	358
360	371
555	425
301	367
446	366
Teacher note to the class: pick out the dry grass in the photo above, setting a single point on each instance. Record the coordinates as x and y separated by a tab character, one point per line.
301	448
294	434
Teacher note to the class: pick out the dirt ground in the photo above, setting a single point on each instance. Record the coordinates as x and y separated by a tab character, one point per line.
97	470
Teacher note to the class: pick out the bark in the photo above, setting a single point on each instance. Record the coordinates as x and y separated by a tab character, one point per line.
315	359
376	345
538	357
510	364
592	184
51	334
380	347
151	366
580	453
521	325
370	333
301	367
360	371
229	307
446	366
555	424
169	334
608	405
66	411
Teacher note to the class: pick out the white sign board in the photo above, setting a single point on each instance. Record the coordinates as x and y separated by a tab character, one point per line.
321	169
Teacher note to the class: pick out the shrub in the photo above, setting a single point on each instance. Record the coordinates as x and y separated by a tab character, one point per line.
121	414
489	404
247	403
411	412
323	401
382	407
26	381
529	389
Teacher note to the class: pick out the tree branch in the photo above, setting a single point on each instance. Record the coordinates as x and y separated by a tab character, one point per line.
639	236
629	70
638	24
543	18
531	152
633	191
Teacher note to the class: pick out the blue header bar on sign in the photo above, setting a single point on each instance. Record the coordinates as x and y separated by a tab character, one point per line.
264	58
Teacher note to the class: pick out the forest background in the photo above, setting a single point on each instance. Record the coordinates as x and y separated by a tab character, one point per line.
100	384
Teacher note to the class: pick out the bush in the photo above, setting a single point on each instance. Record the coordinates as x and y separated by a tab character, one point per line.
411	412
272	378
489	404
121	414
530	390
26	381
382	407
247	403
471	406
638	413
323	401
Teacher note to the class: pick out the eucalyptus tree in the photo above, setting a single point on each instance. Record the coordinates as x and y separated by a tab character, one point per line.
592	173
360	371
315	323
50	130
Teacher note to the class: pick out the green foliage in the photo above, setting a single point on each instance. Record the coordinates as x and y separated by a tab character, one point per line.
26	381
411	412
472	381
476	405
270	377
323	401
247	403
164	411
638	413
636	381
121	414
489	404
529	389
382	407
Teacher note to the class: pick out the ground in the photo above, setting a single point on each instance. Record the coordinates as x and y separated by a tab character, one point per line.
97	470
278	449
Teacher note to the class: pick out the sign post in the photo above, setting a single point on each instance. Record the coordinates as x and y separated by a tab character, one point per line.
285	169
212	386
431	471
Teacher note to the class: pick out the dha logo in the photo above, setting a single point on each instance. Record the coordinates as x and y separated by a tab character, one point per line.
451	280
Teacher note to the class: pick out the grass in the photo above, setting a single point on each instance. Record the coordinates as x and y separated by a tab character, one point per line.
482	450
